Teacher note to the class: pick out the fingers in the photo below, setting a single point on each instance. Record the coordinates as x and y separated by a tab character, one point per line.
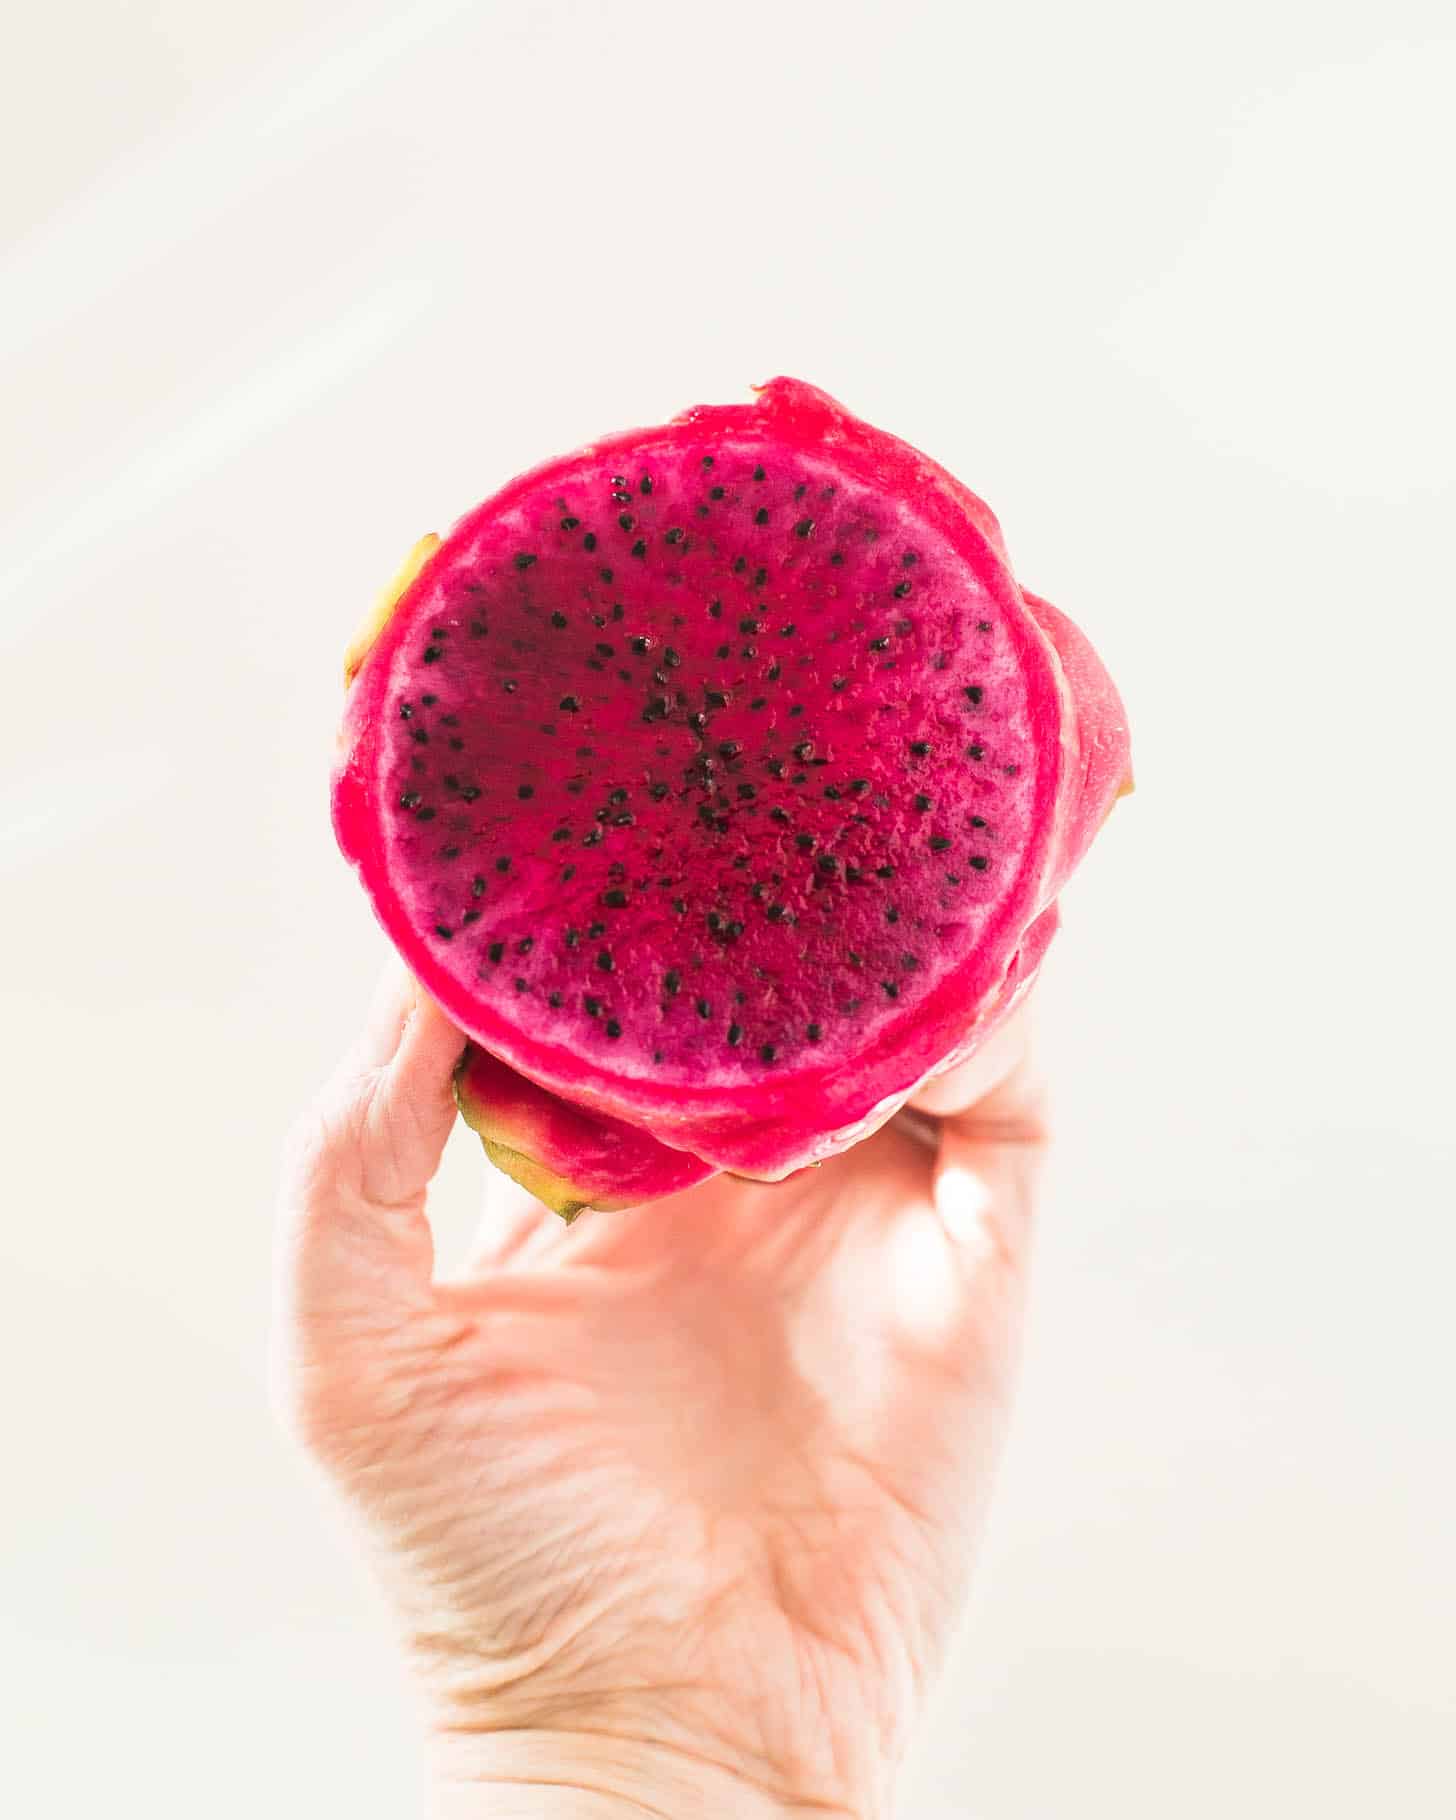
353	1238
950	1095
987	1170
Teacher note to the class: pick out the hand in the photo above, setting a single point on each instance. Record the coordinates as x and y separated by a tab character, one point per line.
674	1507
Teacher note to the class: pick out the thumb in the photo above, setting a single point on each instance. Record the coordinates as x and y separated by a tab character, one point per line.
353	1238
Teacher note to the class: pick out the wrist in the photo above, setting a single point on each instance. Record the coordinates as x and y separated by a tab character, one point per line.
553	1775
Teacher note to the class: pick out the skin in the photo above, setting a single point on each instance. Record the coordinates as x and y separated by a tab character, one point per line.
673	1508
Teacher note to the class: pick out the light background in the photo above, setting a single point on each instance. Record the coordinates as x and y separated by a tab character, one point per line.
284	285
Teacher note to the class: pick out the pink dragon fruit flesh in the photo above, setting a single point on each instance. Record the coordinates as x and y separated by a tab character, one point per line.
718	780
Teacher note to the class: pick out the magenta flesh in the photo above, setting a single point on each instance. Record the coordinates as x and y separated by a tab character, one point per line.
713	776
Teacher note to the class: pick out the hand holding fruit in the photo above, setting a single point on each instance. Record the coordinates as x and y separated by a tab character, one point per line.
673	1507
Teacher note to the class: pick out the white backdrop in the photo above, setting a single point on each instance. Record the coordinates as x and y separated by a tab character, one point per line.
284	285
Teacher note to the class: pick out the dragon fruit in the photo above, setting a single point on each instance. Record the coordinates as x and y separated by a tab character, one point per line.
719	781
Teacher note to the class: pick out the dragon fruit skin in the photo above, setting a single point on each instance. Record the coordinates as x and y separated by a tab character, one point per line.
1060	728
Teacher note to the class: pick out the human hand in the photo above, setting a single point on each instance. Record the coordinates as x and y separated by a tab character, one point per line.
674	1507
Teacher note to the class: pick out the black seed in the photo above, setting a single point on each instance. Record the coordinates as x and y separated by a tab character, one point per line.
605	961
626	521
621	495
768	1053
646	483
978	821
509	685
657	792
571	937
704	1009
428	701
444	931
613	1028
975	752
469	792
746	793
570	524
671	980
553	999
569	705
656	709
922	802
974	694
884	871
707	461
879	644
805	842
639	548
433	654
419	736
715	609
728	748
615	900
592	839
522	986
675	535
901	590
760	577
410	800
567	874
813	1032
920	748
760	517
938	843
837	559
787	631
503	864
979	862
735	1035
591	1006
589	542
525	792
759	701
758	474
672	658
778	815
804	527
405	711
891	990
477	886
496	951
839	683
892	915
523	560
449	853
1011	770
804	749
471	916
715	492
774	672
983	625
606	575
425	815
748	627
828	865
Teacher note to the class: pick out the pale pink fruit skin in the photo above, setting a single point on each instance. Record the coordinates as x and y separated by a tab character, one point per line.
1082	765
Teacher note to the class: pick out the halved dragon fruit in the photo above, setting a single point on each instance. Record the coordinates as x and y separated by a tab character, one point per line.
719	780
